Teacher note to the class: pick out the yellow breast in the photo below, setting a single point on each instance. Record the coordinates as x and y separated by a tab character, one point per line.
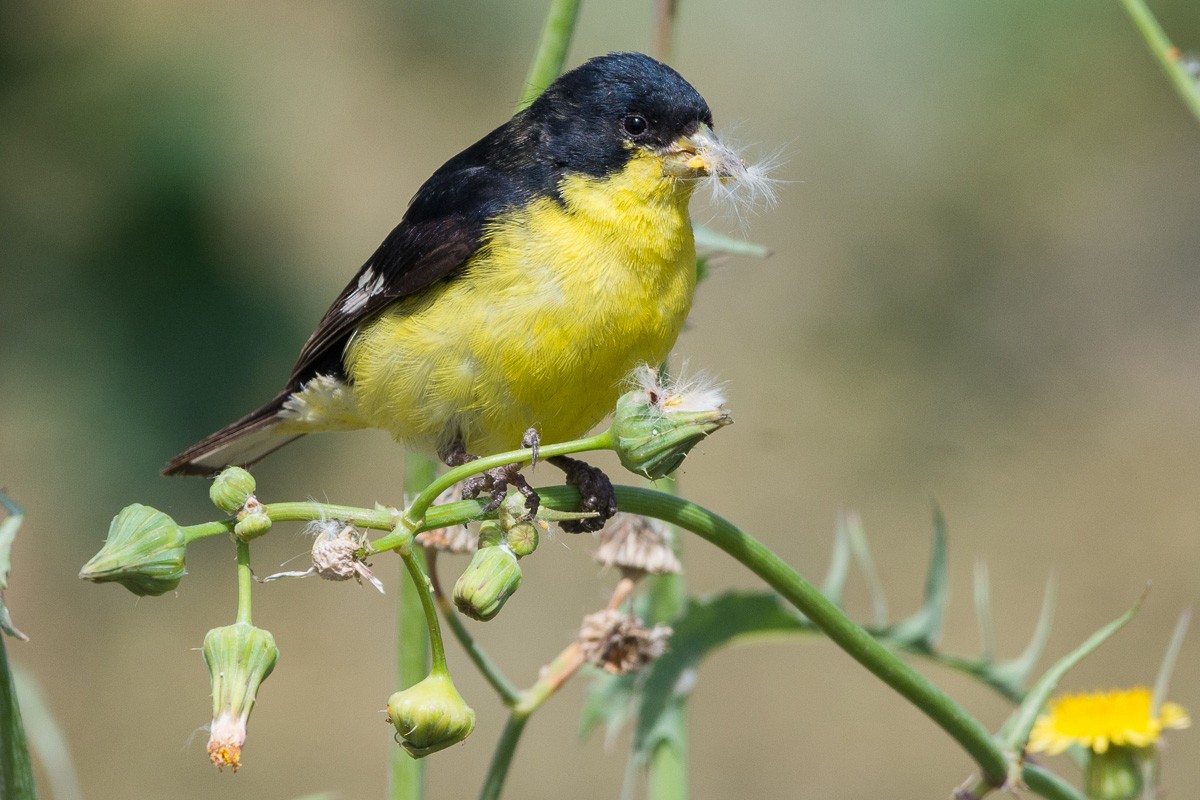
545	322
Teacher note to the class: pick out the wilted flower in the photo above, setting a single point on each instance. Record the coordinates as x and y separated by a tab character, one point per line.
656	424
1117	727
637	544
239	658
619	643
335	555
430	715
144	552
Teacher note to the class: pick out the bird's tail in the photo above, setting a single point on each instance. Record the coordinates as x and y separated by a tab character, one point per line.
241	443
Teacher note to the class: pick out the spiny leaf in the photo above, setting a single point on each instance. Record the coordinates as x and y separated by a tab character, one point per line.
712	242
47	739
983	613
611	699
1015	731
16	771
8	532
704	626
1014	673
922	629
839	563
862	554
1168	663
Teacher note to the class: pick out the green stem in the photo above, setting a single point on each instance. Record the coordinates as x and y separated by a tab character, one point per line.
506	748
1167	54
664	27
1048	785
491	672
413	518
245	581
412	647
552	50
421	582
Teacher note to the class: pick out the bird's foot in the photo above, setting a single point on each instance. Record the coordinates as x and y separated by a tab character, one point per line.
497	480
595	490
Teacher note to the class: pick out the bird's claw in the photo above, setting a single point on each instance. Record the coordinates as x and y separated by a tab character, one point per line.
595	491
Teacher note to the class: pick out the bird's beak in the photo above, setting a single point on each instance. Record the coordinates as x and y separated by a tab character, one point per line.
700	154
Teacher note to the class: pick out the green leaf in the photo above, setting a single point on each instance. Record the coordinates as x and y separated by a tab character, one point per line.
711	242
704	626
8	532
611	699
16	772
922	629
47	739
1013	674
1015	731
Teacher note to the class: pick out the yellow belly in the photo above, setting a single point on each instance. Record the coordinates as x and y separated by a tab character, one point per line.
544	324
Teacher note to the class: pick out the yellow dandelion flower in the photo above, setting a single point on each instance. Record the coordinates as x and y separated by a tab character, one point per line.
1098	720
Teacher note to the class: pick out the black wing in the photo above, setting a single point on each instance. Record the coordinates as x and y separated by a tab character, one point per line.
445	224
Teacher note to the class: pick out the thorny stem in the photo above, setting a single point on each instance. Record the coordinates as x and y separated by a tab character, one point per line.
1168	56
491	672
245	581
552	49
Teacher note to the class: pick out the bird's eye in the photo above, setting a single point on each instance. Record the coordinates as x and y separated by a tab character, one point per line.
635	124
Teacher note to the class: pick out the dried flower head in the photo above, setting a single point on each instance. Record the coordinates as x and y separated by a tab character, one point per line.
458	539
335	555
637	544
619	643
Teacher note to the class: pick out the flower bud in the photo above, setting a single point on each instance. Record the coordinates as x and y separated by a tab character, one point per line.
487	582
1115	774
144	552
430	716
239	658
231	489
655	425
520	530
252	520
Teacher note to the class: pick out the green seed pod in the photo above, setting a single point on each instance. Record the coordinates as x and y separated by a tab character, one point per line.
231	489
1115	774
144	552
430	716
487	582
239	658
652	440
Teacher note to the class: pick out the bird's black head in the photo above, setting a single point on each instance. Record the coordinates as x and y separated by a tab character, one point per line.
595	117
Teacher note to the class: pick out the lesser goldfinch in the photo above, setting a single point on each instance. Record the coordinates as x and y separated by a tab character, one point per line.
530	274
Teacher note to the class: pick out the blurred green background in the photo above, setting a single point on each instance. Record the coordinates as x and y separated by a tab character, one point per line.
983	292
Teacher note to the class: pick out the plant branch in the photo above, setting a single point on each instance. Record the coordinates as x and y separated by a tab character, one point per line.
552	49
1168	56
245	581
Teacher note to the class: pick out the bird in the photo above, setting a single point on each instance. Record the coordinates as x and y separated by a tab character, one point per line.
529	275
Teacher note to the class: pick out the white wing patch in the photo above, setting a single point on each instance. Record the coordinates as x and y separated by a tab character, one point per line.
322	404
370	284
